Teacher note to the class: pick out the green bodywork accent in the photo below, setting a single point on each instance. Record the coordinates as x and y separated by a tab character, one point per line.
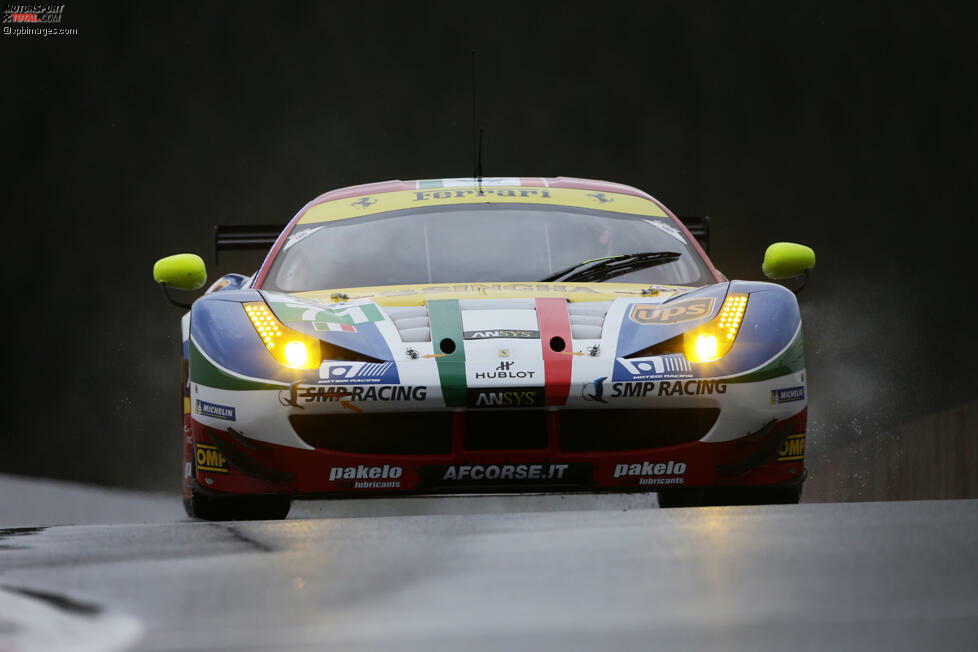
787	259
204	372
303	310
430	183
446	322
182	271
792	360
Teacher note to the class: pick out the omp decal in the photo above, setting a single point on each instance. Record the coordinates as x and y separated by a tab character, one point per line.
494	334
446	324
653	473
672	312
787	395
342	209
210	459
653	368
359	372
491	397
793	448
213	410
555	323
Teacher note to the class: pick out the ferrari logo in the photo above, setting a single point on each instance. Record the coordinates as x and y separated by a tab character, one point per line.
364	202
503	353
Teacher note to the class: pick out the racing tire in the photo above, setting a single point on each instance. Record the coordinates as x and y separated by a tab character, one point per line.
724	496
237	508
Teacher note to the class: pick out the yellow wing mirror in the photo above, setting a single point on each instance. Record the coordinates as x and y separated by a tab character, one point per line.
183	272
787	259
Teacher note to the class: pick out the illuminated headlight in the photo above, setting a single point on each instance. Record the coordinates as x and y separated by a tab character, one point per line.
291	348
296	354
713	340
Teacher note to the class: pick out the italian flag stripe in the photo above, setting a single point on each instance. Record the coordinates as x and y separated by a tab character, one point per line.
555	322
446	323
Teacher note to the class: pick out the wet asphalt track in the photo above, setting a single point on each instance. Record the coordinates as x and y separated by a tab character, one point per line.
491	573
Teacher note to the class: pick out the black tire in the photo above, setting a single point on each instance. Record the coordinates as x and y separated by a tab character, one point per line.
237	508
720	496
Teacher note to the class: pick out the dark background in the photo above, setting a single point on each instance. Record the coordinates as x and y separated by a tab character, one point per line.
850	129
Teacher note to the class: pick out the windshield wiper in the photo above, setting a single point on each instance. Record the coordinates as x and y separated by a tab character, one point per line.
600	269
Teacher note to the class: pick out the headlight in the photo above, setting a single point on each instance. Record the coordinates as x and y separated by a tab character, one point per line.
712	341
291	348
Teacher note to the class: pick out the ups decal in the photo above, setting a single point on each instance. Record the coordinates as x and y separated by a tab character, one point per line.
672	312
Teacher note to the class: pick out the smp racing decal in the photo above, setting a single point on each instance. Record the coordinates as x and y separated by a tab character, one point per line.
672	312
333	393
382	373
214	410
514	334
652	473
210	459
595	391
366	477
506	397
654	368
787	395
506	474
793	448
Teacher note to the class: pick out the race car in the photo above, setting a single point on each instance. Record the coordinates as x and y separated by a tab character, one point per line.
488	335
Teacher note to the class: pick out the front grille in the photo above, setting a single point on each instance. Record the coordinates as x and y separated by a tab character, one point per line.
430	433
589	431
407	433
495	430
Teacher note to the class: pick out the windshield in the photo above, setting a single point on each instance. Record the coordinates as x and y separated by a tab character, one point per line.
476	243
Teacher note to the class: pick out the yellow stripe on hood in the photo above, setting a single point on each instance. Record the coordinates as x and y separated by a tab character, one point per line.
417	295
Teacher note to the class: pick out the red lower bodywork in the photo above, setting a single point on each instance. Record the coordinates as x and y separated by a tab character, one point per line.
771	456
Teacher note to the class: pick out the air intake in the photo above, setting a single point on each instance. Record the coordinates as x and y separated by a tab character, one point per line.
411	322
587	319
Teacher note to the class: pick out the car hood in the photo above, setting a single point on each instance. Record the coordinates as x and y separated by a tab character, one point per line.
395	322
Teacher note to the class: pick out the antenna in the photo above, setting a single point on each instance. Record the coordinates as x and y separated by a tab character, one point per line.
478	162
476	136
